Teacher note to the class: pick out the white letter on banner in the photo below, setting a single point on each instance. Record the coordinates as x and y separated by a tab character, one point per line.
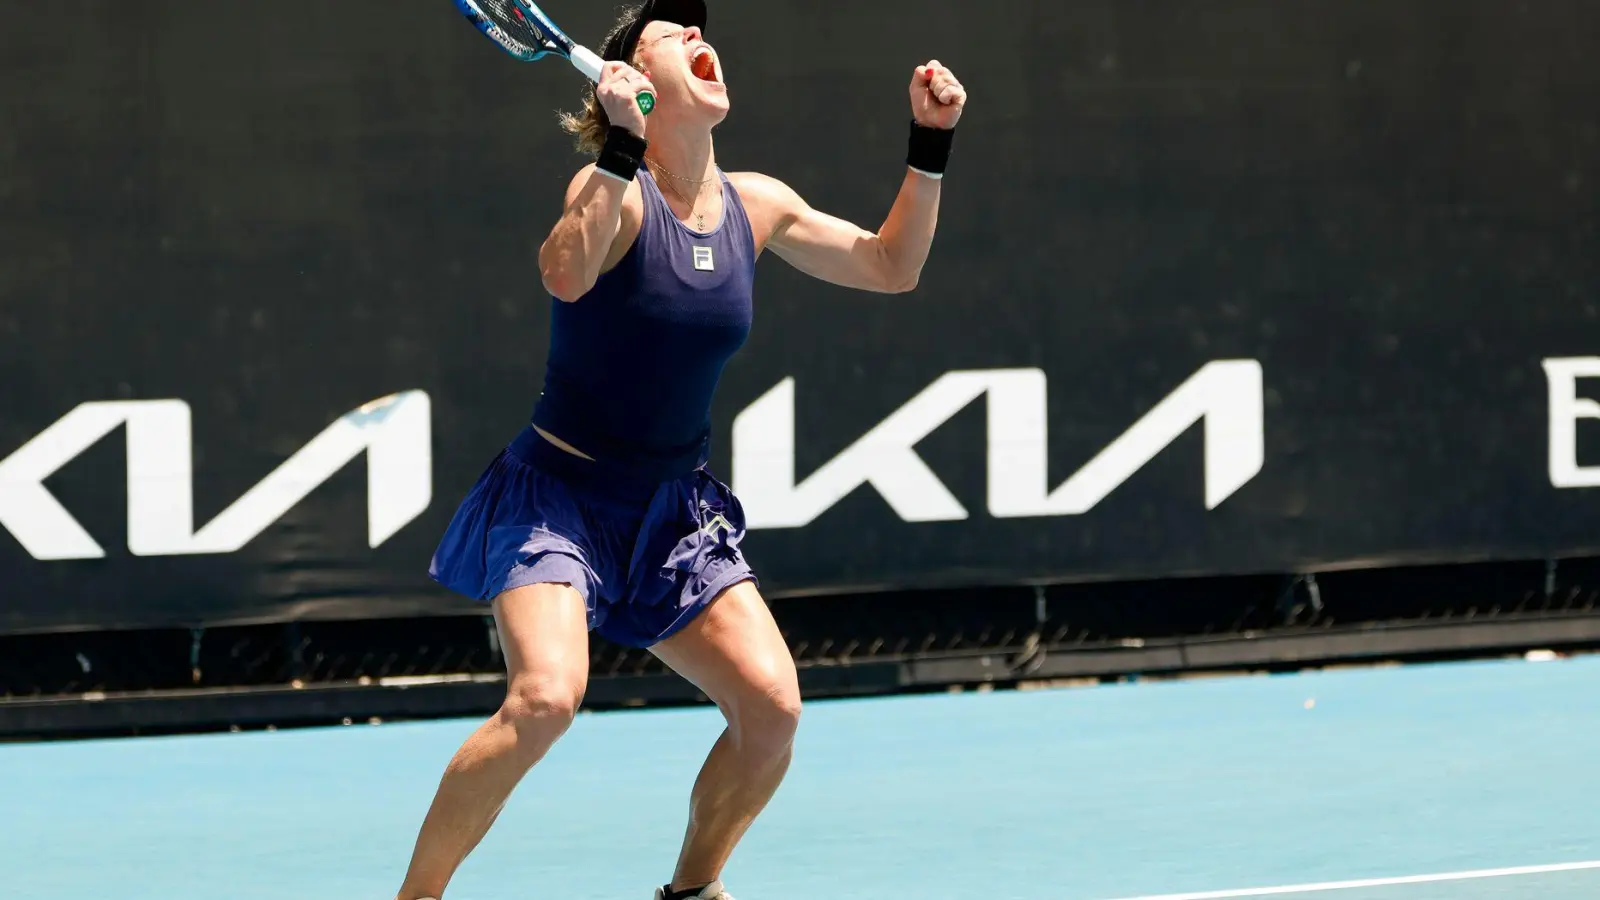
394	432
1565	410
31	513
1224	394
763	458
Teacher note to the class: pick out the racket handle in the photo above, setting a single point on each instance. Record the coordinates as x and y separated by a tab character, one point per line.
586	61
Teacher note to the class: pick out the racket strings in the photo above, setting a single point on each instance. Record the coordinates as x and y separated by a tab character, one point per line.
509	17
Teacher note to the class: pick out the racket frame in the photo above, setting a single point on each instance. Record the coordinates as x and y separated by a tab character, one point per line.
555	42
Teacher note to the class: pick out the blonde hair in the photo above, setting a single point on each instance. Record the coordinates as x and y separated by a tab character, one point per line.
589	126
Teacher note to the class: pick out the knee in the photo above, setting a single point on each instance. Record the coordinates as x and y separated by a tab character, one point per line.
766	720
540	709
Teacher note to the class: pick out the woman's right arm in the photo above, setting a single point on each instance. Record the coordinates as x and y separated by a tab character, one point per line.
602	212
583	243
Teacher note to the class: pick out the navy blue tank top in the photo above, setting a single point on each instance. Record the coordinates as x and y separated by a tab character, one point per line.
634	363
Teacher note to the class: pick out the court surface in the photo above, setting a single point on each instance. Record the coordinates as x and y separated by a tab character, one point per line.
1197	789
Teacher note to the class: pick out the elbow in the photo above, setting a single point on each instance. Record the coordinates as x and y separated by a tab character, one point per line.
564	289
904	284
895	275
560	281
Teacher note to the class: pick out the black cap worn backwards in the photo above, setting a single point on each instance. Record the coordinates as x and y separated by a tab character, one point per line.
688	13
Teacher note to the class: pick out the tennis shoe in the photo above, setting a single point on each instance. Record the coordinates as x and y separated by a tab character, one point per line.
712	891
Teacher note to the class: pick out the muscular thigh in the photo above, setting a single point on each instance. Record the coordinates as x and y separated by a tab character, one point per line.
734	651
544	636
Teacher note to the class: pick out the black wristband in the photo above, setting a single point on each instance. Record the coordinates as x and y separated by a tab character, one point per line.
929	149
622	153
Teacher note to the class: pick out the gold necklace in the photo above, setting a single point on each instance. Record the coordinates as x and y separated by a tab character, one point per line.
694	204
667	172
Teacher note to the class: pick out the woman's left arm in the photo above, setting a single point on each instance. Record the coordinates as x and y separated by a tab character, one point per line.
889	260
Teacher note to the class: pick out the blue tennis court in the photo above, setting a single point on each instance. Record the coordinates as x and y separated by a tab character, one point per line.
1471	780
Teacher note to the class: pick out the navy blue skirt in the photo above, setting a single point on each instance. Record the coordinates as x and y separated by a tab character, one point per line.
646	554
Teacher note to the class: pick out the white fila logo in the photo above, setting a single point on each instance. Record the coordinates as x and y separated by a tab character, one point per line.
703	261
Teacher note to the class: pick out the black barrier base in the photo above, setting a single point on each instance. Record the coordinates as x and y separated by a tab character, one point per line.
327	673
429	697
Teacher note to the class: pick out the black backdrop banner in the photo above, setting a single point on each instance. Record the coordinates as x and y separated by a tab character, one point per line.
1222	288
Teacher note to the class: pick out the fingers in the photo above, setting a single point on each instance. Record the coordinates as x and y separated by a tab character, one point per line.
618	74
940	82
618	91
620	82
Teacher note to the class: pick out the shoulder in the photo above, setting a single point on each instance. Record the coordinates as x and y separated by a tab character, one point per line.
766	191
771	205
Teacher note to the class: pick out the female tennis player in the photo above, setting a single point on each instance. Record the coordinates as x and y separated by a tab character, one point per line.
600	515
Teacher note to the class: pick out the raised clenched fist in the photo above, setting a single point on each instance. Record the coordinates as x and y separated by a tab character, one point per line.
937	98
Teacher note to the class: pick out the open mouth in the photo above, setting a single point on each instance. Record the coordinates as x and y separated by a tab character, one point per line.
704	65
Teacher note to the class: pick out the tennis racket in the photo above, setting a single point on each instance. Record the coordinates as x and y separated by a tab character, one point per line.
524	31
